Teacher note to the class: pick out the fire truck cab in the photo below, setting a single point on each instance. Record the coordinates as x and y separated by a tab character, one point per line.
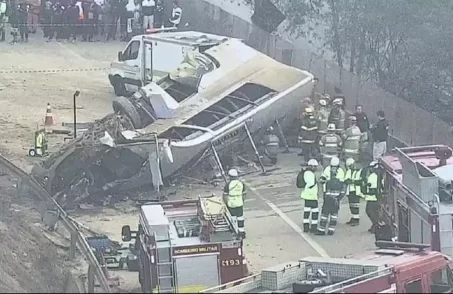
417	195
187	246
392	268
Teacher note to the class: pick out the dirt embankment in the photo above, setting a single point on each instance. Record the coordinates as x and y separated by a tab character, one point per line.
29	262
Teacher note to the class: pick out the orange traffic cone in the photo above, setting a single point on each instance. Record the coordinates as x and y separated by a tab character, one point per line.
49	118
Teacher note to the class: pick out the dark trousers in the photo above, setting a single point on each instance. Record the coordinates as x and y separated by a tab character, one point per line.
372	211
308	151
354	202
23	30
329	216
311	207
238	214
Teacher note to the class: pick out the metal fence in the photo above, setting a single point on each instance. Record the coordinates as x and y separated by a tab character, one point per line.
409	124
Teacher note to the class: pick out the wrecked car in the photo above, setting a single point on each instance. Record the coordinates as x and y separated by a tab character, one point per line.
214	98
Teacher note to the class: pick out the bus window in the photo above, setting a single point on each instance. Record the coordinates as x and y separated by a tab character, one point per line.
441	281
414	286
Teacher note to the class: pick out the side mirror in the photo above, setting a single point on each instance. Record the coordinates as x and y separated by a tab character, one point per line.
120	56
126	233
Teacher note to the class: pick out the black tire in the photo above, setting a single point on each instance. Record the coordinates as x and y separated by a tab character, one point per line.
123	106
119	87
32	152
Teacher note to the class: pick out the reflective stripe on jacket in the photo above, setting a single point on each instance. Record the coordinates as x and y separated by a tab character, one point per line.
326	174
308	132
310	192
235	193
372	184
39	140
352	138
355	186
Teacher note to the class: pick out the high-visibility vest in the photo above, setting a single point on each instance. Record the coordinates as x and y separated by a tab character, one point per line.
310	191
326	174
354	175
235	193
372	184
39	140
3	8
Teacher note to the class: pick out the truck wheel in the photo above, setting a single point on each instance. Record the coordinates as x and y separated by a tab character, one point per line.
32	152
123	106
119	87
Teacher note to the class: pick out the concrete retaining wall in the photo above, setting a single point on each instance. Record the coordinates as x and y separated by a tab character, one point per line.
409	124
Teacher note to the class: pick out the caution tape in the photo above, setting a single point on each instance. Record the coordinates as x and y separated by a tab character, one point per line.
97	24
28	71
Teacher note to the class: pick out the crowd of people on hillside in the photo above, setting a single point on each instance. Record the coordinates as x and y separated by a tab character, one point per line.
99	20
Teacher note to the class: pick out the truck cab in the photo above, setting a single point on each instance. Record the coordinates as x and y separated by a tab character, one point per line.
155	54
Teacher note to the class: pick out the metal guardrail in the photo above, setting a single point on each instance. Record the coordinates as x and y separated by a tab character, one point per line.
229	285
70	225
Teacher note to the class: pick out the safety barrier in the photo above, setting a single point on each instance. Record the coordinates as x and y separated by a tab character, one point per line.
76	235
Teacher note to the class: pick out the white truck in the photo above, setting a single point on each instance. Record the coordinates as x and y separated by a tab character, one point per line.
167	49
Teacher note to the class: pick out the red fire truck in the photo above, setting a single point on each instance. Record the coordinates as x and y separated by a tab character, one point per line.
187	246
394	267
417	195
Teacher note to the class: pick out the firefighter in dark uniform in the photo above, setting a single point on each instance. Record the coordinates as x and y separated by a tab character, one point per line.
271	144
233	195
337	115
333	193
371	191
308	134
353	181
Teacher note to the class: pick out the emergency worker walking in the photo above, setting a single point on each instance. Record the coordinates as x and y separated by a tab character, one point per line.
371	191
233	195
353	181
330	145
271	144
333	193
352	137
310	196
337	115
308	134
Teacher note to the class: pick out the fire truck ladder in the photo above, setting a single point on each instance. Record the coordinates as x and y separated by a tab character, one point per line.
165	267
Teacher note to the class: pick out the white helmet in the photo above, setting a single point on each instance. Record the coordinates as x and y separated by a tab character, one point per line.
331	127
337	101
335	161
373	163
312	162
233	172
322	102
350	161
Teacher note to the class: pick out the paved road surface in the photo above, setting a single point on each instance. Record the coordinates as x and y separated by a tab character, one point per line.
273	214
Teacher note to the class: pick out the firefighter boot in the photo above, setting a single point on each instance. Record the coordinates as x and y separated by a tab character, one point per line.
350	222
